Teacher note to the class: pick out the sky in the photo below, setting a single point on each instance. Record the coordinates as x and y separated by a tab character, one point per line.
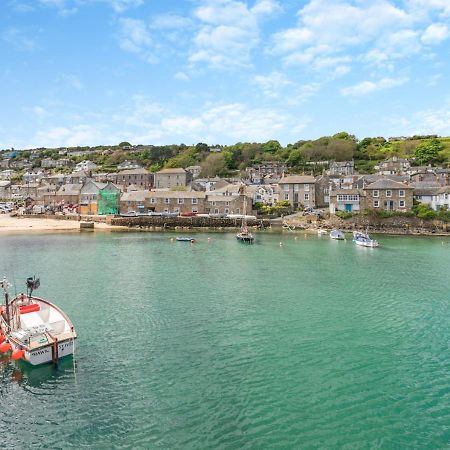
92	72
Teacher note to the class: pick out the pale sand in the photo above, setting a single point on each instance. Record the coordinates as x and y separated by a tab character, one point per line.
14	224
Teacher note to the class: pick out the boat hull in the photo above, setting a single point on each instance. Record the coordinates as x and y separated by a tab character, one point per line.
245	239
45	355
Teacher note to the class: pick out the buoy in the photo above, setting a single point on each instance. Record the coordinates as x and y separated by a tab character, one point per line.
5	347
17	354
281	244
2	339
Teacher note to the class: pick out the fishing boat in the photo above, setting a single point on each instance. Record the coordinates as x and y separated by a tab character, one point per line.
322	232
33	329
185	239
364	240
337	234
244	235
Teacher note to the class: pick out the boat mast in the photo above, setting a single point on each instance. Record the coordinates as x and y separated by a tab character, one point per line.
4	285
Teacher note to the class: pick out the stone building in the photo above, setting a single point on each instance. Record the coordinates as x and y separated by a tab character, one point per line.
172	178
388	195
299	190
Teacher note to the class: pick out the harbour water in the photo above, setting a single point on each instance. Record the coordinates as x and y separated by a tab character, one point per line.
218	345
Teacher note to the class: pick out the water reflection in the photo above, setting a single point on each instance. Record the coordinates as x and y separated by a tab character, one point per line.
44	376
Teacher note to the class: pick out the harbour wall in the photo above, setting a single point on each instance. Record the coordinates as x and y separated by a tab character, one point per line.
182	222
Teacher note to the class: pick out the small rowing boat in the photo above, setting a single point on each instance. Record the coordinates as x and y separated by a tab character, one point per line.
337	235
33	329
185	239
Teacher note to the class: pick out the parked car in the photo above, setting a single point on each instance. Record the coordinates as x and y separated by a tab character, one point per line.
130	214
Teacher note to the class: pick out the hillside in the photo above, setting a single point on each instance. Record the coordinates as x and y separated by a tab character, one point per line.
228	160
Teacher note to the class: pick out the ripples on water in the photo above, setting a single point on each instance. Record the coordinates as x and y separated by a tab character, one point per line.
316	344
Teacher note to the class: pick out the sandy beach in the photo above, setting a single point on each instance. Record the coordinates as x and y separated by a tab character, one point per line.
14	224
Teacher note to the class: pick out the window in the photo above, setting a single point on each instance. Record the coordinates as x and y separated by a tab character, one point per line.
286	196
388	193
296	187
376	203
227	211
306	196
238	210
401	203
306	187
194	210
376	193
216	211
227	203
347	197
401	193
180	201
286	187
167	201
194	201
153	200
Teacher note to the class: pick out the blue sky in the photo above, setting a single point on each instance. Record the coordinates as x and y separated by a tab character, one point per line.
89	72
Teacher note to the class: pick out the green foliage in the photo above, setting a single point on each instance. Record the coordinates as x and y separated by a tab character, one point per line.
428	151
424	211
344	214
282	207
214	164
124	144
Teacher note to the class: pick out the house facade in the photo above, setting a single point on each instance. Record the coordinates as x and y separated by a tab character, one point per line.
342	168
141	178
388	195
348	200
441	198
172	178
299	190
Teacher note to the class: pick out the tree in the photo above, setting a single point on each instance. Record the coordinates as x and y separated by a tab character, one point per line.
213	165
271	147
124	144
428	151
201	147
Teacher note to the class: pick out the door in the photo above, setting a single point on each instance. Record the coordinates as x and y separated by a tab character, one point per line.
348	207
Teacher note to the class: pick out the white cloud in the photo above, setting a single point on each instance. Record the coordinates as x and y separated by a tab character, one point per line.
19	39
376	32
273	84
435	34
181	76
134	36
122	5
229	31
170	21
367	87
67	136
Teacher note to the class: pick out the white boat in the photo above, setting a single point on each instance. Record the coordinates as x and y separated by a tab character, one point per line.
244	235
337	234
322	232
33	329
364	240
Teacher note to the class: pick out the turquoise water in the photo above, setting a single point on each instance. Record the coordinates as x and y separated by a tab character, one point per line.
219	345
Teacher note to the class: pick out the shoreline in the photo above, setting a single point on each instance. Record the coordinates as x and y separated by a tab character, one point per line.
22	225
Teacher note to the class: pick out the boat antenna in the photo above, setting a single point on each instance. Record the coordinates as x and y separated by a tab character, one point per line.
32	284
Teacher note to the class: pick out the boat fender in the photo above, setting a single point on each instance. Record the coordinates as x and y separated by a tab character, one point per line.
17	354
5	347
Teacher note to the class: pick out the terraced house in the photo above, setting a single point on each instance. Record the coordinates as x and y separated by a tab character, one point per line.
388	195
299	190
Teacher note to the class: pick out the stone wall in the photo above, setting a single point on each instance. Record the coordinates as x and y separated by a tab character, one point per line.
183	222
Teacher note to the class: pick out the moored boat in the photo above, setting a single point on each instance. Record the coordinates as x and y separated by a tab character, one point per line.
34	329
244	235
337	234
185	239
322	232
364	240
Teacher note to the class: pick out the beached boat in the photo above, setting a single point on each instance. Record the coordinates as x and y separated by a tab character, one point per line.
337	234
185	239
364	240
33	329
244	235
322	232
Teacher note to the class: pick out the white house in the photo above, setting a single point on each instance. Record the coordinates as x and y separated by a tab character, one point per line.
441	198
85	166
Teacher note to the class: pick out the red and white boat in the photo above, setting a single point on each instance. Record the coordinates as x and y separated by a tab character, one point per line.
33	329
